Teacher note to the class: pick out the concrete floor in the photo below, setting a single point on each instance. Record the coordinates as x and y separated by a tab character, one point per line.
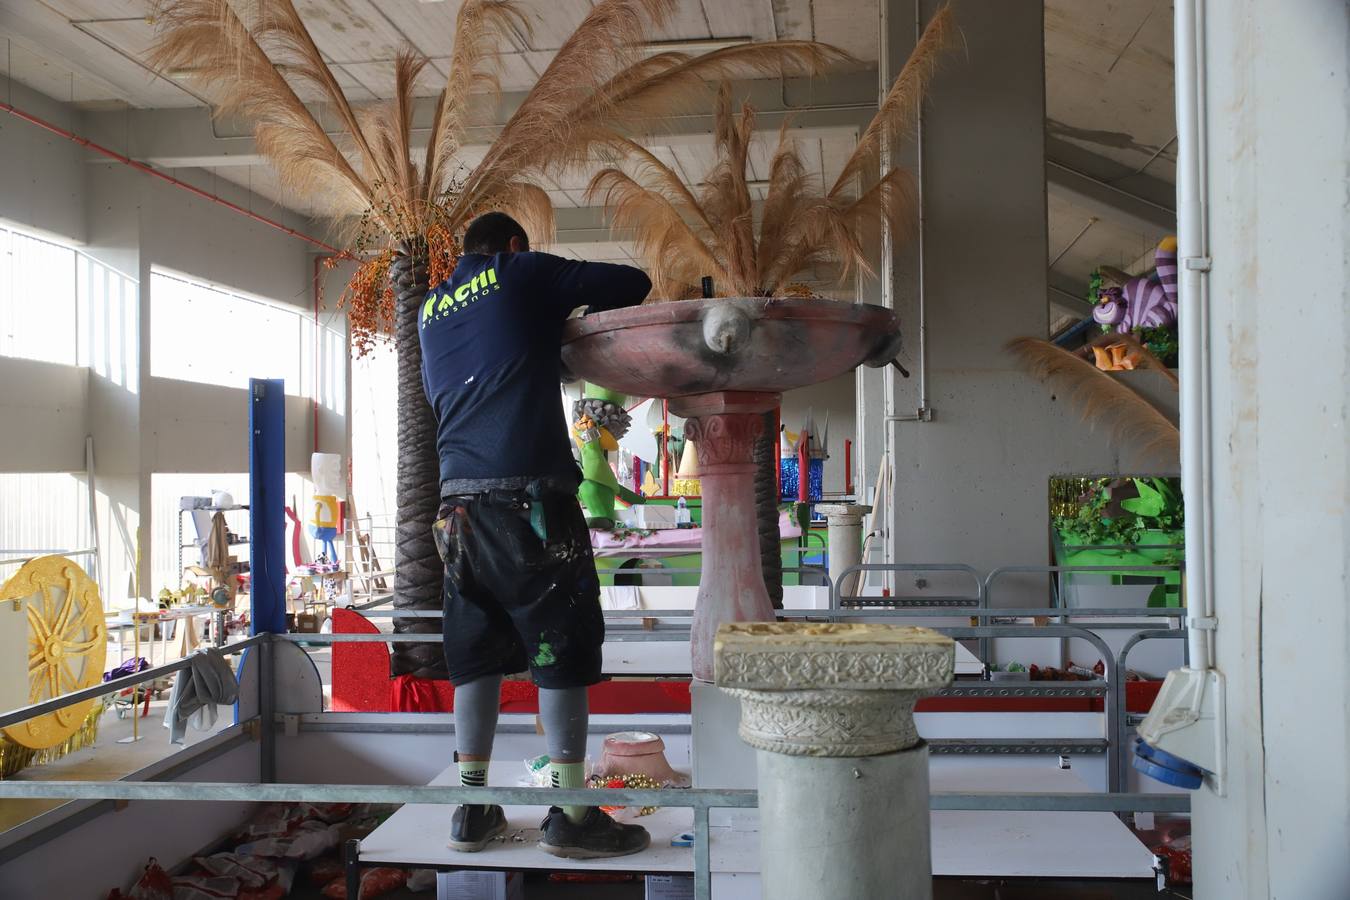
108	758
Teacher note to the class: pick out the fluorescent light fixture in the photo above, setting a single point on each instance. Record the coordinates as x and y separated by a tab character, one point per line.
700	45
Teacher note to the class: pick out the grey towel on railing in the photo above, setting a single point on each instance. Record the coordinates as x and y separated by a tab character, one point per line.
207	682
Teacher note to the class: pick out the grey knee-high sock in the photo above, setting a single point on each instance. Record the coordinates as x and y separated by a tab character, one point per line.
565	714
476	706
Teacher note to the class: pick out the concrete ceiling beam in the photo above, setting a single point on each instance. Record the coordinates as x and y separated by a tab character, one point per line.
190	138
1107	189
1068	295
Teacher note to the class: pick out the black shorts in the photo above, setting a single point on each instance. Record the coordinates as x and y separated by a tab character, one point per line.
513	600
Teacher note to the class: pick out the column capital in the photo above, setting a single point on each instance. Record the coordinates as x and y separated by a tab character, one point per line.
821	689
724	439
843	513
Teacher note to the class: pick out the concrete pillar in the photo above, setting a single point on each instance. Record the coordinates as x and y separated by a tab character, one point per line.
1276	133
846	535
843	774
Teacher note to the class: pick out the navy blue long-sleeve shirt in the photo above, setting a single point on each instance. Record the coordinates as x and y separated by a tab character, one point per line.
490	337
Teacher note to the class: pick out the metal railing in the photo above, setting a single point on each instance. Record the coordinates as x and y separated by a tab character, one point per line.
26	555
700	800
975	598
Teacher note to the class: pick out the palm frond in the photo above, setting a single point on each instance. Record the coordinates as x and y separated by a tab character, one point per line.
209	40
675	80
475	65
280	29
1099	397
528	204
388	129
544	128
899	111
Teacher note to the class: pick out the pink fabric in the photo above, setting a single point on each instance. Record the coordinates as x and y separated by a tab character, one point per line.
668	542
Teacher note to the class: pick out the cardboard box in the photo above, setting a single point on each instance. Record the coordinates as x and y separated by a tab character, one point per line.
670	887
480	886
308	623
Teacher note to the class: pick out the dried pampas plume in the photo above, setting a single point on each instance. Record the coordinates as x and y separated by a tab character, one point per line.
1099	397
684	234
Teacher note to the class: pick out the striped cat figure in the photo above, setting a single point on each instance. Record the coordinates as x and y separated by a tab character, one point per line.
1149	301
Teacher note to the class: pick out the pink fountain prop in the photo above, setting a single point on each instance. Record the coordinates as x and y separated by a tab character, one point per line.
722	363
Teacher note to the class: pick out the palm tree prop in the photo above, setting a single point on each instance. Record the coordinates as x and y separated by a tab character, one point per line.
256	55
685	234
1101	397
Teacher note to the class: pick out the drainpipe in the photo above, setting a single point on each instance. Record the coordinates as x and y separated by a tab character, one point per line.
922	412
1184	734
1193	315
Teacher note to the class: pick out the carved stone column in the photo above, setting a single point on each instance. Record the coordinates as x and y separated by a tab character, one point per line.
846	541
724	426
843	775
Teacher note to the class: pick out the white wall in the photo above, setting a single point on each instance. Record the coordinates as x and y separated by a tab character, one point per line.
46	190
1278	143
131	223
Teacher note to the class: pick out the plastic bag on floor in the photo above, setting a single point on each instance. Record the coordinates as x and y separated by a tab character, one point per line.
205	887
252	871
421	880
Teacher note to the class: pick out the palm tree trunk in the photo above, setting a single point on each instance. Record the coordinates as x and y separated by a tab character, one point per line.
766	509
418	574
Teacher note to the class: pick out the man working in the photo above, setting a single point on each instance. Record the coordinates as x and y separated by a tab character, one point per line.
520	582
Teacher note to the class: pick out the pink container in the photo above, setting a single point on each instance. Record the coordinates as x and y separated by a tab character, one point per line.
638	753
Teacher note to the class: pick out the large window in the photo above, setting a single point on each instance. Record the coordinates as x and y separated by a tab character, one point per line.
211	335
37	298
109	309
59	305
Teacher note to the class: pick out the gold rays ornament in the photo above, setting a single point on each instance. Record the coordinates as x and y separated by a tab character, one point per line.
67	644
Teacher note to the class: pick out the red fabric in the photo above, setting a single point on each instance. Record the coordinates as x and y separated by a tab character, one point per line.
520	696
408	693
154	883
374	883
360	671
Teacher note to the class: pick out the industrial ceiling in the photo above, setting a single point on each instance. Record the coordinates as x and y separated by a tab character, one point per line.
1110	131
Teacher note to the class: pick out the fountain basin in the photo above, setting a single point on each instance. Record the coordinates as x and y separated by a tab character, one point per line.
659	350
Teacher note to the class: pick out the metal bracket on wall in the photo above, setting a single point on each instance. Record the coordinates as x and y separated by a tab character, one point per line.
922	414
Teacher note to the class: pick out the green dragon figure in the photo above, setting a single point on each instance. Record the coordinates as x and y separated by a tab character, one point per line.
599	421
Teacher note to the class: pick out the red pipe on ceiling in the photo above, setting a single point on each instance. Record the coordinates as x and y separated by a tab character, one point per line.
150	170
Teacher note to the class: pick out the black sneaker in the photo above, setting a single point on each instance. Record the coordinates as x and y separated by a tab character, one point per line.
596	836
472	827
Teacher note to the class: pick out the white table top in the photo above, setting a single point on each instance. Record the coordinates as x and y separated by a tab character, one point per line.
965	843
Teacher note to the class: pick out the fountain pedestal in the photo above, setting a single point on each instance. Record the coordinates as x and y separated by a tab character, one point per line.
724	426
843	775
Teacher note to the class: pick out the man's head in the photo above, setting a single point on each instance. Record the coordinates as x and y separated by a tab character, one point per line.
495	232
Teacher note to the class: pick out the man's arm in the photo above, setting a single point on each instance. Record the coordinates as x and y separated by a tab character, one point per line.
596	285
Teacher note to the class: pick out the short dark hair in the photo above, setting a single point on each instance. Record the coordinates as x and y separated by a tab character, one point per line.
492	232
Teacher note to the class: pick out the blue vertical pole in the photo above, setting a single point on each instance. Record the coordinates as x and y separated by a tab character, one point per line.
267	489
